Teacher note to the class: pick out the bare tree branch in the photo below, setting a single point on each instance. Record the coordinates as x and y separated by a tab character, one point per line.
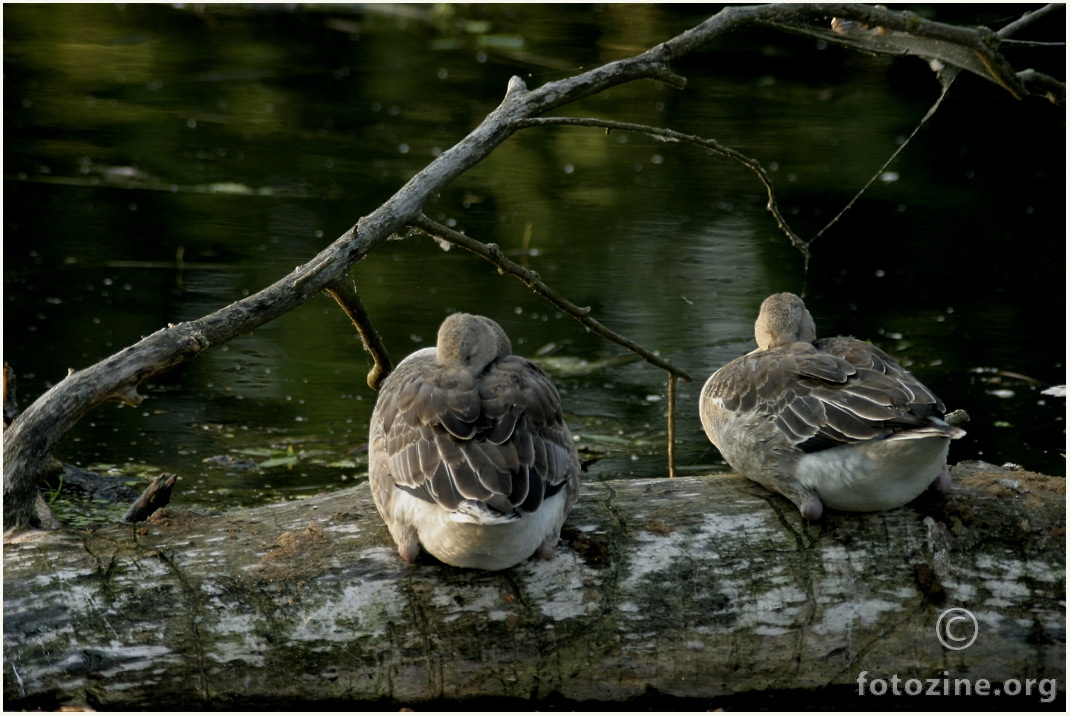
505	265
878	30
1028	19
1039	83
672	136
671	416
345	293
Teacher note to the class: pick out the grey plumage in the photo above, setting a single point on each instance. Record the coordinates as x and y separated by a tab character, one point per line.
477	438
785	414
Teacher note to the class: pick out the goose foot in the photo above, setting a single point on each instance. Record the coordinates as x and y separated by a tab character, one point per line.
547	548
942	483
409	551
812	509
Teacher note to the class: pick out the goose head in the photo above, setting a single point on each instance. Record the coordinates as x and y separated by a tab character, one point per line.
471	342
783	320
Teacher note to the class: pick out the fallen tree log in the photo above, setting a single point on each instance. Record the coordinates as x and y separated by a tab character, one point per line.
690	588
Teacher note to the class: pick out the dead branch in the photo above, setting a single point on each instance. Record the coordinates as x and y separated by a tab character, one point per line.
880	31
669	135
1028	19
1041	84
671	416
699	587
492	253
345	293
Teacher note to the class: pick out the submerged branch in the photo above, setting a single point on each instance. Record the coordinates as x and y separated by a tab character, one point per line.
492	253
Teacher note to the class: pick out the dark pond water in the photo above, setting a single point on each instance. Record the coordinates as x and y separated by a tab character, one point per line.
161	162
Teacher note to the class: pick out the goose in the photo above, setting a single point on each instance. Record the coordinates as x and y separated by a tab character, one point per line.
831	423
469	456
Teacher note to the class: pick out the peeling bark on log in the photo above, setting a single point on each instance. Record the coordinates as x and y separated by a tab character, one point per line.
689	588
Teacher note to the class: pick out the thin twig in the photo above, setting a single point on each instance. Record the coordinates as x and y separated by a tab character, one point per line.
667	134
1036	82
1028	19
672	425
950	77
345	293
492	253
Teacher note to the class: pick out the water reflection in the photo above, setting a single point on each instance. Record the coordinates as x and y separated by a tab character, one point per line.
162	163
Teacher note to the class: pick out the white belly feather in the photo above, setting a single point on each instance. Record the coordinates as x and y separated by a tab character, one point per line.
875	474
454	538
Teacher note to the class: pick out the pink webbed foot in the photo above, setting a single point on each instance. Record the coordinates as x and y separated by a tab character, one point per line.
409	551
547	549
812	509
942	483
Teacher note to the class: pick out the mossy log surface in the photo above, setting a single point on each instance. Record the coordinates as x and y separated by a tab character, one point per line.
686	588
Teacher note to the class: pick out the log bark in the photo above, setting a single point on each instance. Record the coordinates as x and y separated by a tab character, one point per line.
669	590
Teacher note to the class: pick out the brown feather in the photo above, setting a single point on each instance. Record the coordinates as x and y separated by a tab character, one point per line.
497	437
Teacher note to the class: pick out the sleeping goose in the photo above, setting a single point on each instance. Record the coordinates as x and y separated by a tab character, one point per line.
827	423
469	455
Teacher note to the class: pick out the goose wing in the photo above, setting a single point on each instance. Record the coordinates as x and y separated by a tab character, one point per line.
835	391
496	442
